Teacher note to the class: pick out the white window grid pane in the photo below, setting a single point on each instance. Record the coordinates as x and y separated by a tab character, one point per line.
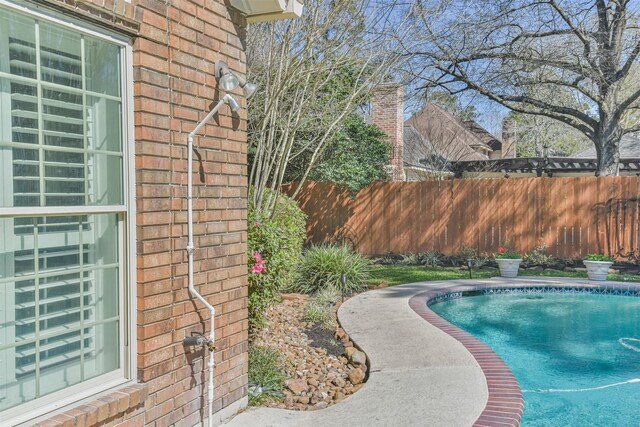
52	325
52	125
48	141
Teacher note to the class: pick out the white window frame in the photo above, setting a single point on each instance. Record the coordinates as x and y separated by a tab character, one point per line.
43	407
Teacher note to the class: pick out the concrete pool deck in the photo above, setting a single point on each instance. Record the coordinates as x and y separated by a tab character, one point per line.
419	374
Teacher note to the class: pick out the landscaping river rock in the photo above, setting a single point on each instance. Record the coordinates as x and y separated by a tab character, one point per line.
323	366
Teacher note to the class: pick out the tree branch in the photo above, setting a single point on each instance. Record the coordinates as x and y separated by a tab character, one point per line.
629	62
575	30
624	105
508	100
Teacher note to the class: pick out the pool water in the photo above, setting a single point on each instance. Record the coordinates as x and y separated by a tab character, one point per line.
576	357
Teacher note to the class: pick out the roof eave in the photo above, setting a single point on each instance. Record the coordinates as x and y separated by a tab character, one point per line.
268	10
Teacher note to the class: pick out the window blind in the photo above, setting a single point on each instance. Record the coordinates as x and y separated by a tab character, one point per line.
49	178
61	139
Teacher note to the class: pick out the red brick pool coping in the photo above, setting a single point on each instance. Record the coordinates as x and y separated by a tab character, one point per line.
505	403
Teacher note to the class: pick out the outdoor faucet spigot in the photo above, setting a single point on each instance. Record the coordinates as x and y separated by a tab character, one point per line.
196	340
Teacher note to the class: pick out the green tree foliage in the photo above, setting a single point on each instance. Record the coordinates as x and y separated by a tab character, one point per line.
305	152
276	240
313	72
354	158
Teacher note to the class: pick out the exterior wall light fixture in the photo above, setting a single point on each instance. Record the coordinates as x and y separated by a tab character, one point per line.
229	80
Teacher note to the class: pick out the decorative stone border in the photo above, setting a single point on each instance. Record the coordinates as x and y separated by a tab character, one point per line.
505	404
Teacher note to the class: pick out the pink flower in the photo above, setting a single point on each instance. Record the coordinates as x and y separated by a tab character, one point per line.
501	250
258	269
260	265
256	224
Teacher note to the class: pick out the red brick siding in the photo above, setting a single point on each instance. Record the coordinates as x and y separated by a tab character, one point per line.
388	115
175	48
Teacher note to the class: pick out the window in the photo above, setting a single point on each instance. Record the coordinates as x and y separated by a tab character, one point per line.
64	219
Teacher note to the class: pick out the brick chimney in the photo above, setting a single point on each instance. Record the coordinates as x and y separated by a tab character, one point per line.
388	115
508	139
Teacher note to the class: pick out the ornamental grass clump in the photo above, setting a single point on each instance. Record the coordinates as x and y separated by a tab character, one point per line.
322	267
267	372
319	309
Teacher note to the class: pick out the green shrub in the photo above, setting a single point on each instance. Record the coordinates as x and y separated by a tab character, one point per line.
598	257
277	240
507	253
317	311
322	267
320	307
431	258
479	262
266	368
538	256
355	157
410	259
391	259
464	253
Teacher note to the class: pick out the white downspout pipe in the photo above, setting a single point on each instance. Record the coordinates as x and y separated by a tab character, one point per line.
227	99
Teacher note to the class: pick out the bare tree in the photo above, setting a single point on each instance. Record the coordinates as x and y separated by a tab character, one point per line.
522	53
533	132
313	72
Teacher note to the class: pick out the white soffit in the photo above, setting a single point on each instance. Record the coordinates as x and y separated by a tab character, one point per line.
268	10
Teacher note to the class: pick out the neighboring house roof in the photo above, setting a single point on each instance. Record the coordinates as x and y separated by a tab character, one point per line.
483	134
420	153
448	136
629	149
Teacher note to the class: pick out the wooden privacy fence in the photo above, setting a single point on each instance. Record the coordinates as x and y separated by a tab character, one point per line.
572	216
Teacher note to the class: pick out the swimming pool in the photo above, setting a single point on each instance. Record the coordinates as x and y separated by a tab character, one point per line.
576	356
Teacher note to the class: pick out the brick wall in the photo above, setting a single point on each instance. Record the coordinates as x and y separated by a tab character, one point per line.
388	115
508	139
175	47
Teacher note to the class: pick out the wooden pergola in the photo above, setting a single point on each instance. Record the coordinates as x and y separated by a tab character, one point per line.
541	166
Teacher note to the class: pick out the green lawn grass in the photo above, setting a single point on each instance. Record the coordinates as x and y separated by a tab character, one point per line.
394	275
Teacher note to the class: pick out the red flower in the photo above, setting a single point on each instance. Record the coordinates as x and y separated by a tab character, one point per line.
501	250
